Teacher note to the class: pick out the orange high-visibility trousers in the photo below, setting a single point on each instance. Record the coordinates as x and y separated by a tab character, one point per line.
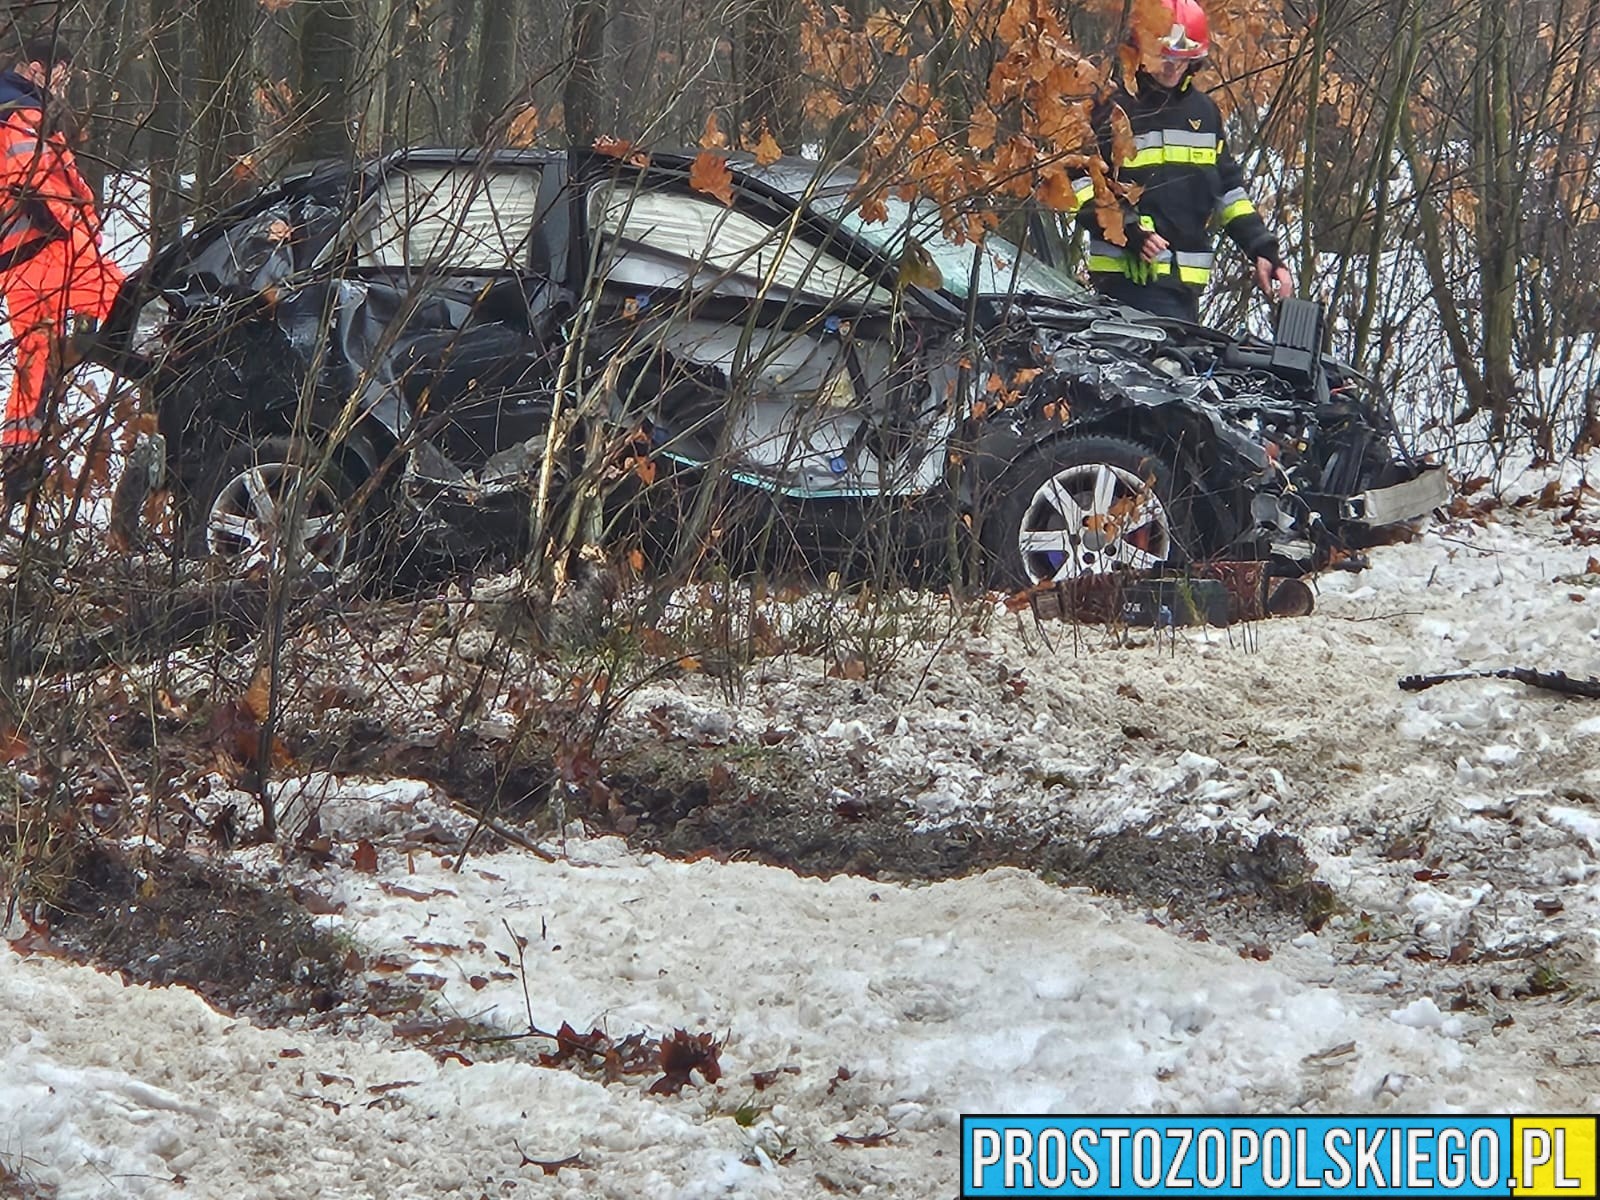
68	275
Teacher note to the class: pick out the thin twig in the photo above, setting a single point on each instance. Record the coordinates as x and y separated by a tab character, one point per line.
487	822
522	969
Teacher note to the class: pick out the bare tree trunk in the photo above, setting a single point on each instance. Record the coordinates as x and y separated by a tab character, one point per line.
581	98
1399	95
107	146
769	70
1308	177
496	65
413	106
1499	213
1439	278
1589	425
371	118
1555	240
462	50
633	42
327	65
224	130
166	116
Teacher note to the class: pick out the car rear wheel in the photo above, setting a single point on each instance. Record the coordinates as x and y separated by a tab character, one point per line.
1081	508
246	519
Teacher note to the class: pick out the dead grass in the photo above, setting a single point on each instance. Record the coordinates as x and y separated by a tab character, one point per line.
16	1185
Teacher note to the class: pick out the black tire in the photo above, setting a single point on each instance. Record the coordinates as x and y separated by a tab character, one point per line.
233	515
1137	477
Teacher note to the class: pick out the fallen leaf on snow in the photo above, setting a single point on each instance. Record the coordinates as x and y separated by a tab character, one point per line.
379	1089
1332	1054
682	1053
765	1079
399	889
430	1027
392	964
551	1165
866	1139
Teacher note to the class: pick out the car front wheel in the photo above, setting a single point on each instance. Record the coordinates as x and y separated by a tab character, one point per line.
249	521
1081	508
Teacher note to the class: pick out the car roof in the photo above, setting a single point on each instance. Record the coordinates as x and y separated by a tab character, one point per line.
472	156
796	176
792	175
322	168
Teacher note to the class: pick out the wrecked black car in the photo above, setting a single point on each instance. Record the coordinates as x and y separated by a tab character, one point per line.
448	340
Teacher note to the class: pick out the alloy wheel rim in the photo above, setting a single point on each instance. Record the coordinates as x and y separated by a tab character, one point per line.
246	522
1093	519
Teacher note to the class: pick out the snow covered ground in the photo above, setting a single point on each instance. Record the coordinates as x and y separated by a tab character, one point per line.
1459	828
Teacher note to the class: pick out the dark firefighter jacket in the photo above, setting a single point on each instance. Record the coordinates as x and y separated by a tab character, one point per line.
1191	185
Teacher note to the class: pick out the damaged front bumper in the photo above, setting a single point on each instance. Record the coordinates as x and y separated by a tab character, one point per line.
458	512
1416	497
1297	528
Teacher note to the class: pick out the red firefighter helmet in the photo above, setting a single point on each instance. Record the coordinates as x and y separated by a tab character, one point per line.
1190	39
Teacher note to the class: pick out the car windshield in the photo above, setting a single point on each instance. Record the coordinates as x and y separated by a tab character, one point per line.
1003	269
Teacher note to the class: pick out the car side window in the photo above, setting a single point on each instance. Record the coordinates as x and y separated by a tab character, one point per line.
670	239
453	218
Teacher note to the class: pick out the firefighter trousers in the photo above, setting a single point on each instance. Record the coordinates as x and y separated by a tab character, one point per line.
40	291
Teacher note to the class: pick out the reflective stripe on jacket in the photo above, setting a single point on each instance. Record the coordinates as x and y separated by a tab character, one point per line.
1188	266
42	195
1190	186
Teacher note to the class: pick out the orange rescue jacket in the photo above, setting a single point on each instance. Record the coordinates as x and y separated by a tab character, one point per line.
42	196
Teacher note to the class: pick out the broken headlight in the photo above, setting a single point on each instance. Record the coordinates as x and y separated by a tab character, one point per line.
149	335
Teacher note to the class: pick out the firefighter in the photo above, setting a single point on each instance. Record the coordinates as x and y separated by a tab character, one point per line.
50	258
1189	182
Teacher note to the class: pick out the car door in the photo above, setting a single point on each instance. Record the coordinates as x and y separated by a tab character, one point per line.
762	344
460	302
